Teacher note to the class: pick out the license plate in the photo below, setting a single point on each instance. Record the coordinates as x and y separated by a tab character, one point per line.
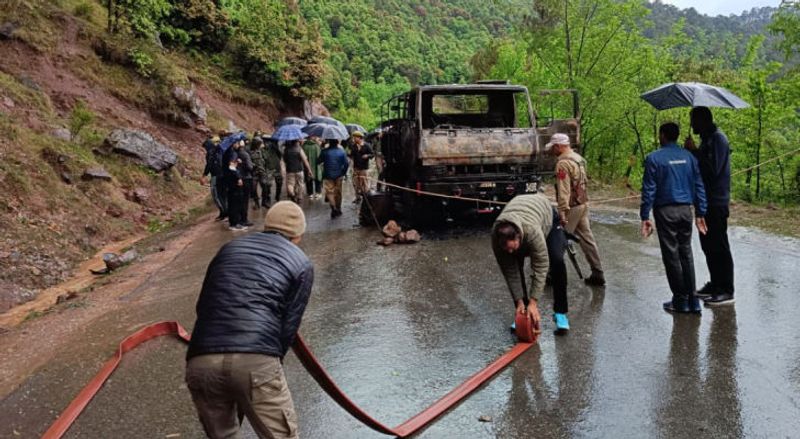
487	185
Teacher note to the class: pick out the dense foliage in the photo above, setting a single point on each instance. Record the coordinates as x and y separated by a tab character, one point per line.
355	54
612	51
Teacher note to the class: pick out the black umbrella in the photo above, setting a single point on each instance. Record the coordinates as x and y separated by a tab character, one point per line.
692	94
291	121
326	132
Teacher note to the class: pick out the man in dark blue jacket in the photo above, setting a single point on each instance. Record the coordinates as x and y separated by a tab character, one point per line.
334	167
714	156
249	310
671	185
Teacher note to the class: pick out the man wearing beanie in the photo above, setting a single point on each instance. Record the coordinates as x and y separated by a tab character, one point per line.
249	310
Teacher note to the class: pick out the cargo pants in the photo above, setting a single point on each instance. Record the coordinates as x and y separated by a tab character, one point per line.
227	387
578	225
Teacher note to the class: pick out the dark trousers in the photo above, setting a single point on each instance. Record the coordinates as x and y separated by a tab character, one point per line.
222	194
313	186
246	189
674	227
717	249
556	245
236	205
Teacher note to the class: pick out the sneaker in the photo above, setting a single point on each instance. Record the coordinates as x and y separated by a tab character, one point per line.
562	323
596	279
513	327
705	292
719	300
247	224
237	228
682	305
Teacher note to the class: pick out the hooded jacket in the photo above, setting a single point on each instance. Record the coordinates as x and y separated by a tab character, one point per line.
533	216
253	297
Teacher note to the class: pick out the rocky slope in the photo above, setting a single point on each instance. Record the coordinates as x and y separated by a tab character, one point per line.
91	150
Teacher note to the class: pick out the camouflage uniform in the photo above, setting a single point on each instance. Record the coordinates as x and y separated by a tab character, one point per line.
267	168
571	182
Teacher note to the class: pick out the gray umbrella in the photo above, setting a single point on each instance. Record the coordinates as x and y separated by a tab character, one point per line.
291	121
326	132
352	127
692	94
325	120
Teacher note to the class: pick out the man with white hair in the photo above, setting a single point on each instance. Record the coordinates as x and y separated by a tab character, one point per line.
571	182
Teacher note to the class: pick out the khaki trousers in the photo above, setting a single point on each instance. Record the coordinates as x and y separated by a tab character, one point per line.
333	192
295	186
360	181
578	225
227	387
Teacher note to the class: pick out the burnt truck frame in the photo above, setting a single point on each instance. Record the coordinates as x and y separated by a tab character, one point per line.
478	141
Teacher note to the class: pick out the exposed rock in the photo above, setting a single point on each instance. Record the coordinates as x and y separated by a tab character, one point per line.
13	294
140	195
114	261
100	152
66	177
143	148
7	30
30	83
8	102
188	101
62	133
314	108
391	229
485	418
96	173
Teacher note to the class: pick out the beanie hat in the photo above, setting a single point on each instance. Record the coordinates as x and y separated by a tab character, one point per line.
286	218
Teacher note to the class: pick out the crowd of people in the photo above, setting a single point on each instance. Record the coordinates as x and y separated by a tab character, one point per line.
240	169
234	362
681	185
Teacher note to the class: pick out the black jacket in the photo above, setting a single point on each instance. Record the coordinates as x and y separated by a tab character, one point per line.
246	167
714	156
253	297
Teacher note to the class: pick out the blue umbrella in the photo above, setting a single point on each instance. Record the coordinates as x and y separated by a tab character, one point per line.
692	94
326	132
287	133
291	121
325	120
230	140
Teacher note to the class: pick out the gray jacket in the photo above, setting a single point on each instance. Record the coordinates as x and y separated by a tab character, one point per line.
533	216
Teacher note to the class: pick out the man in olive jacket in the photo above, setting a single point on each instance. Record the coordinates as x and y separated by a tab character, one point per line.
529	227
249	310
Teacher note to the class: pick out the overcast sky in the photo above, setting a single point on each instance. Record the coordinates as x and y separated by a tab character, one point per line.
722	7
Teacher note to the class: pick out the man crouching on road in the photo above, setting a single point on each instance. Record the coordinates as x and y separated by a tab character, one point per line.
529	227
253	298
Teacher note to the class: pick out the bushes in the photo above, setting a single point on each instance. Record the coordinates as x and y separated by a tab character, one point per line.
79	118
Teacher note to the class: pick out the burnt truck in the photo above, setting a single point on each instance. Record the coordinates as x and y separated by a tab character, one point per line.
468	142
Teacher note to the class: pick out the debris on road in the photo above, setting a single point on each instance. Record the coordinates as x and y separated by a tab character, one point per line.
485	418
394	234
114	261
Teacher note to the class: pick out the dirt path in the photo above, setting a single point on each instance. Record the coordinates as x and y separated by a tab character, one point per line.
21	342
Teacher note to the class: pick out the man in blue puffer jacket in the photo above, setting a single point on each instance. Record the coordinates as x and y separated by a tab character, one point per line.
670	186
249	310
334	167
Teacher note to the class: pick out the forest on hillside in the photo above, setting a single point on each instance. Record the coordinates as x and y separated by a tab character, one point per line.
354	54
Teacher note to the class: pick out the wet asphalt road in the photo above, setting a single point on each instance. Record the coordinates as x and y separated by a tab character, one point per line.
399	327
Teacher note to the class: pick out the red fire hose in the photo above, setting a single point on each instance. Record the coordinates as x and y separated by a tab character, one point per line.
525	333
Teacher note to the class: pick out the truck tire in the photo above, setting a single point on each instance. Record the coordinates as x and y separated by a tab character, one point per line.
379	203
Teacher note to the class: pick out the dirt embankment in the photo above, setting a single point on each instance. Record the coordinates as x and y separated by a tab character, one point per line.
51	217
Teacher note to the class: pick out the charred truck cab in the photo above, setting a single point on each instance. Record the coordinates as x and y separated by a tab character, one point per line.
473	141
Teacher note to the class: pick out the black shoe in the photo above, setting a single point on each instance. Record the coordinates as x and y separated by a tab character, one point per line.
596	279
333	213
706	291
682	305
221	217
719	300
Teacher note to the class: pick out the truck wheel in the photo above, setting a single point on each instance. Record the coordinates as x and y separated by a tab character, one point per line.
377	203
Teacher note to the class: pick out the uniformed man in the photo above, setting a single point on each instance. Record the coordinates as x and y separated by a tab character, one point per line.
572	197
